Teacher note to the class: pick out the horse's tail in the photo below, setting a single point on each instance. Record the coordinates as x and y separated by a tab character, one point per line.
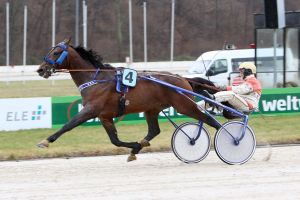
199	84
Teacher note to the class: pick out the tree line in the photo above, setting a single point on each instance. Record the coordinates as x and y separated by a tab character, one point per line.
200	25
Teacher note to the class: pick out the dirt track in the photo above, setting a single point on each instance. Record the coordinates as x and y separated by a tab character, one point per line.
154	176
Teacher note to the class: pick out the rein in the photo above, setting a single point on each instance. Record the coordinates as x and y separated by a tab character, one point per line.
82	70
97	71
112	70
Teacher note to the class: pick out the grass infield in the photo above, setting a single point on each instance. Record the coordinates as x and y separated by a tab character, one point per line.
93	141
43	88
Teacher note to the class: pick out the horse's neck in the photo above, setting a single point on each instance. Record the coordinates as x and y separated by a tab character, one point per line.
83	72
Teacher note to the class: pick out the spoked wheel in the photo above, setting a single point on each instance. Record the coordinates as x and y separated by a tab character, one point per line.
186	146
227	146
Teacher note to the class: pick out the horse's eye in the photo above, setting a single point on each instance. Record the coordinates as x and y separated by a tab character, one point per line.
56	53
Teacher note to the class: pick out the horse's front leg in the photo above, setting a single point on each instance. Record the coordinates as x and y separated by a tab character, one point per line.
111	130
84	115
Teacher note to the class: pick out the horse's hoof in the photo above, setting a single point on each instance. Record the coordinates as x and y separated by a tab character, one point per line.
131	157
43	144
145	143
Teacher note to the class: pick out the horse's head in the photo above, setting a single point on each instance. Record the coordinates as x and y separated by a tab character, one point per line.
55	59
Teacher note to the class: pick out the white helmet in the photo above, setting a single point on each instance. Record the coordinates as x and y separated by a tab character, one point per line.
248	65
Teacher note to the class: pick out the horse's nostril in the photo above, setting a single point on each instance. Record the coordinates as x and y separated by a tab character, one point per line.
41	72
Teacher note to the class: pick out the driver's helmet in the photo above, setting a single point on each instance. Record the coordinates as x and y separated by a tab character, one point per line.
248	65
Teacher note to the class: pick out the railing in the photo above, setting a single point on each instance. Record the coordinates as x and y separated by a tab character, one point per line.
28	72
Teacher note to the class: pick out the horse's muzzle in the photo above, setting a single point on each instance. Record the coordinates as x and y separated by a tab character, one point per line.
40	71
45	72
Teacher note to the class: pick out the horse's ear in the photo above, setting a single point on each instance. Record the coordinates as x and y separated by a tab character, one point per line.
68	41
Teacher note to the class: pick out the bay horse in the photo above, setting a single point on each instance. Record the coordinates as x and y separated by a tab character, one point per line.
97	84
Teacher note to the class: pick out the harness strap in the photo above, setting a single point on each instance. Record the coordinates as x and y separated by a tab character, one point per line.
91	83
121	105
96	73
86	85
120	87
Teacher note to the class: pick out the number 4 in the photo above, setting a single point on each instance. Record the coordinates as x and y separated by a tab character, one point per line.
129	77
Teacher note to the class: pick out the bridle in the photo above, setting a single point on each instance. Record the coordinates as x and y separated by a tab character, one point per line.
53	63
62	56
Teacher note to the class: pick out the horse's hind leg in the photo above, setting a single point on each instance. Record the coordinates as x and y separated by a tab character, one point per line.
187	106
153	127
111	130
153	130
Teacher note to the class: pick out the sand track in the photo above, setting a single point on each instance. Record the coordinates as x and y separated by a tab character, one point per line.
154	176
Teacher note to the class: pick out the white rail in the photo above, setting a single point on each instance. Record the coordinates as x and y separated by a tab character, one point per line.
28	72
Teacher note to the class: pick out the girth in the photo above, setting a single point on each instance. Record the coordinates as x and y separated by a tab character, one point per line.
122	89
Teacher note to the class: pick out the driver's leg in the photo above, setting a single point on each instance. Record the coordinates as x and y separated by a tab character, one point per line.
233	99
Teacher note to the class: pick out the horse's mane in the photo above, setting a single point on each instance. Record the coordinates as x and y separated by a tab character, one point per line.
92	57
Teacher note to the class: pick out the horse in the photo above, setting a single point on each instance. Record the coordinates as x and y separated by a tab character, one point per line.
97	83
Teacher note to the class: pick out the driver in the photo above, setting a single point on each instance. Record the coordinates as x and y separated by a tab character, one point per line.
243	97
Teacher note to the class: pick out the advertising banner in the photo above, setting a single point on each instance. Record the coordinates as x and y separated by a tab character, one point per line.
280	101
25	113
30	113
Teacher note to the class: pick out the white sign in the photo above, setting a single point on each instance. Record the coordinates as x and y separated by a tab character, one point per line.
25	113
129	77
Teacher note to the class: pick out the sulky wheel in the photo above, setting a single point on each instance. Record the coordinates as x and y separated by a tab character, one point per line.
187	145
229	148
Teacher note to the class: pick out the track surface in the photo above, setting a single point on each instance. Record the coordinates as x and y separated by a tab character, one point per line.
154	176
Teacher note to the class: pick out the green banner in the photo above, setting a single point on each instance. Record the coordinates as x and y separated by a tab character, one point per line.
280	101
273	101
64	108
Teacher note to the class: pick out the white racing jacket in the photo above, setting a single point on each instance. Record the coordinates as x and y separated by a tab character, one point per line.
249	90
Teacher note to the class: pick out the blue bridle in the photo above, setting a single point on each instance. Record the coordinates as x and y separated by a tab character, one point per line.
62	56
